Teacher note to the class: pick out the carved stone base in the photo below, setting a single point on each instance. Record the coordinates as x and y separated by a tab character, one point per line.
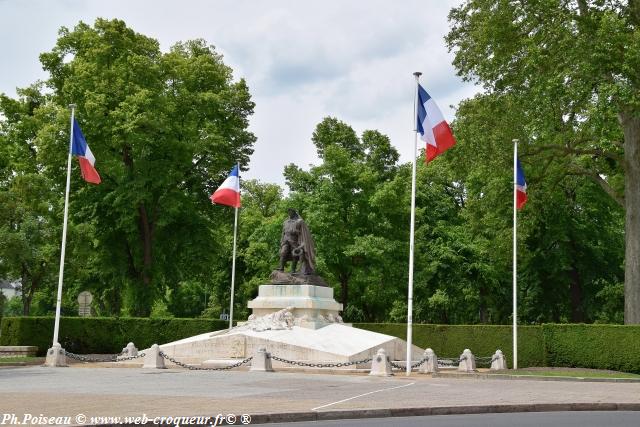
281	306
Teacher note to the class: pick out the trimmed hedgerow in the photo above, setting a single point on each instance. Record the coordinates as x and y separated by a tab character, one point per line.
102	335
482	340
615	347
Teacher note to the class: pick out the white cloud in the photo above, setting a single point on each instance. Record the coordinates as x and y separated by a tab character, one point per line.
302	60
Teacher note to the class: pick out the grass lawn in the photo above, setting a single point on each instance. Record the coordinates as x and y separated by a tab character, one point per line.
21	359
571	372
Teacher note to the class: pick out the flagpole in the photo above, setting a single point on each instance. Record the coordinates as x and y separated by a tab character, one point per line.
417	74
233	262
56	326
515	255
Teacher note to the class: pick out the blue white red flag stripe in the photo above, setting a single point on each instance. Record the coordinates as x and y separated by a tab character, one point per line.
80	148
229	192
521	186
432	127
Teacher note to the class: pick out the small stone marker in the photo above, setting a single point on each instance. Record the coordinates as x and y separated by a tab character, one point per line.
152	358
498	361
129	351
381	365
56	357
431	364
261	361
467	362
84	303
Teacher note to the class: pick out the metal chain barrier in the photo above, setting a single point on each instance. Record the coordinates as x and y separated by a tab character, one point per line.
448	362
111	358
484	361
413	366
319	365
201	368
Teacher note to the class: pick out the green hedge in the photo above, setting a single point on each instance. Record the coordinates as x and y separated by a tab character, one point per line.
482	340
614	347
102	335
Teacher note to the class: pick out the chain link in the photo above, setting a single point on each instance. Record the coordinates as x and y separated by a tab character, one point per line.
201	368
413	366
124	358
319	365
111	358
449	361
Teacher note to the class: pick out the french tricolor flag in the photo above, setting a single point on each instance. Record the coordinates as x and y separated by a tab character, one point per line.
80	148
432	126
229	192
521	186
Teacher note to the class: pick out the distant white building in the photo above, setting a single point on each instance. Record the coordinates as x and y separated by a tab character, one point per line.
10	289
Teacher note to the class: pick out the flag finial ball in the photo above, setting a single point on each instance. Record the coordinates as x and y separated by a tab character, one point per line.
417	74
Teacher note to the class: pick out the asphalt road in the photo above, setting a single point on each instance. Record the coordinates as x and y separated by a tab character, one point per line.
117	392
531	419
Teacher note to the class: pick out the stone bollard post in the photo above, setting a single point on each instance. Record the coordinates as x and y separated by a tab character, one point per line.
152	358
56	357
498	361
261	361
467	362
381	365
431	365
129	351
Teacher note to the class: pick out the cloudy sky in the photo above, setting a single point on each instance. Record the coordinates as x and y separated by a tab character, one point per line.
303	60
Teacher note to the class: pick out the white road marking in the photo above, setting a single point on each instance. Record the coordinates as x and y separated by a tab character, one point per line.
360	395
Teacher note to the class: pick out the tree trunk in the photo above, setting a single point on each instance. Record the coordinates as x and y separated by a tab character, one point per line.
575	290
631	128
482	309
27	291
26	303
145	237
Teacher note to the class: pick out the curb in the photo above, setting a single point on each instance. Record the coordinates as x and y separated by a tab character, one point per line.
439	410
516	377
288	417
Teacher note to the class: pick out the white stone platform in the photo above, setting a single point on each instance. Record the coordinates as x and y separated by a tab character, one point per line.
297	322
332	343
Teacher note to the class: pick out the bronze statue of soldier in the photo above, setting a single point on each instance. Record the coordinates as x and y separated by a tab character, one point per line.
296	245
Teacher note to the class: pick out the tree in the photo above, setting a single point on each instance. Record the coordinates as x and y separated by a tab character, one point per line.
29	227
340	201
572	67
164	128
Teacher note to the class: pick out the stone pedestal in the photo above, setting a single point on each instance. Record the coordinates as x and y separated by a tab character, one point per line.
311	306
296	321
381	365
153	359
56	356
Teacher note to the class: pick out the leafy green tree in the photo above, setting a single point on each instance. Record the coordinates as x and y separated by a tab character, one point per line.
570	242
572	69
338	200
164	129
29	227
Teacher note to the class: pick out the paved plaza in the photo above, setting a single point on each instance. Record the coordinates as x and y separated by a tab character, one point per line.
119	392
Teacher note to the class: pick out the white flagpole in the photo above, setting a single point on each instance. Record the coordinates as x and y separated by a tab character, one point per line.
56	326
417	74
233	263
515	255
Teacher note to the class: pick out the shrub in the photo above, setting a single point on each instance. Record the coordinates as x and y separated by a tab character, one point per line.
102	335
615	347
482	340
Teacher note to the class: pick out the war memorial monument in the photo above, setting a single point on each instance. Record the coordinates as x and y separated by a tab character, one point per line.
294	317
